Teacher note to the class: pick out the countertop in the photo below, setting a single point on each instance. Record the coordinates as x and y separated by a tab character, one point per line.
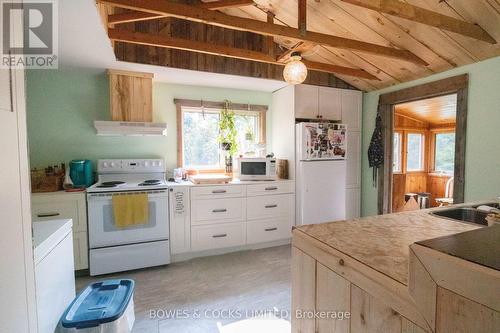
47	234
382	242
481	246
233	182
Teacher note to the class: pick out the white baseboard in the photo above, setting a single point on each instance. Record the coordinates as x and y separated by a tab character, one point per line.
191	255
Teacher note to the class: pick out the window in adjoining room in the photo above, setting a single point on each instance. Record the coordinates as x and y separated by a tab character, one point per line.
415	152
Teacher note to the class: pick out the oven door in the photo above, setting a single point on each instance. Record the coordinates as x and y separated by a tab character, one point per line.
102	229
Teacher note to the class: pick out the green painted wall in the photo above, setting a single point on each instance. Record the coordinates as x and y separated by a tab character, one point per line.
62	105
482	168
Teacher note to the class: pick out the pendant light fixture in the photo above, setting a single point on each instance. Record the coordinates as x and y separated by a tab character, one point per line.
295	71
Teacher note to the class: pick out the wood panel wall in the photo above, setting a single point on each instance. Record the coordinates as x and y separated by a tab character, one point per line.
209	63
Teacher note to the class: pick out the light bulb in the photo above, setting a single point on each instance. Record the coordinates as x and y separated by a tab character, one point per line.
295	71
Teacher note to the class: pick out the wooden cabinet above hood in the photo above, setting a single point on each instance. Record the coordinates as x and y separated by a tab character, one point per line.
130	96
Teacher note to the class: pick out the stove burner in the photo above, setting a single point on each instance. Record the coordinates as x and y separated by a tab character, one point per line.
106	186
112	183
151	181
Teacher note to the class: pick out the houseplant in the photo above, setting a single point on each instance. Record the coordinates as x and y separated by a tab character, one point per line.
228	135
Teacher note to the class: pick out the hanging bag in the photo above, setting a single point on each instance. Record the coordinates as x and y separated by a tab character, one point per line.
376	149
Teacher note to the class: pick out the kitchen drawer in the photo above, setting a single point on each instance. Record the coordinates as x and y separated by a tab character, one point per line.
217	236
268	230
267	206
218	210
43	210
222	191
60	205
270	188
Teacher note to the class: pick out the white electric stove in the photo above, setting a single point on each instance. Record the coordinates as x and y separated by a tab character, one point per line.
115	249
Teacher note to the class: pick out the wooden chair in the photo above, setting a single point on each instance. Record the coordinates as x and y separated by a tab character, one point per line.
448	199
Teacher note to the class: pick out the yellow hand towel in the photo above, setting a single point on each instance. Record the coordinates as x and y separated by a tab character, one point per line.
130	209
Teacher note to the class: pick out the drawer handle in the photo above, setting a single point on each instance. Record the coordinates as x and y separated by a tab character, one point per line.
218	191
219	236
271	206
219	210
48	214
271	229
271	188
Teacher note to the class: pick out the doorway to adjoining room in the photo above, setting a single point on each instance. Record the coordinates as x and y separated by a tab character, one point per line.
423	153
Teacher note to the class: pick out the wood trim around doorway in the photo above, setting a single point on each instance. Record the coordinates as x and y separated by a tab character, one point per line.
453	85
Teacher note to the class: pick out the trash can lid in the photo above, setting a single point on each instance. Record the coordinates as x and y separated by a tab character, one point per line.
99	303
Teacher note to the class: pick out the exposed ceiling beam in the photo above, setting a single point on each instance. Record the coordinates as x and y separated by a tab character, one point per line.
202	15
302	17
424	16
143	16
225	51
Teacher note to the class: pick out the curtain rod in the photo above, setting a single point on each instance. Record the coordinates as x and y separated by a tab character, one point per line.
220	105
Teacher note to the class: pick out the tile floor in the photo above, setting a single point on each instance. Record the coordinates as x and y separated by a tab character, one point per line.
244	282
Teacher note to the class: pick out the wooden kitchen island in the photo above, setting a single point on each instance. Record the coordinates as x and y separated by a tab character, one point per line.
366	269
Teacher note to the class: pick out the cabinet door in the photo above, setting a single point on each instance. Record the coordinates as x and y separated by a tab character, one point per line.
81	250
303	291
353	207
353	159
180	219
330	106
306	102
369	315
352	105
333	293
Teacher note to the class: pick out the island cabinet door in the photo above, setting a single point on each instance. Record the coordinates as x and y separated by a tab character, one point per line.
303	292
333	301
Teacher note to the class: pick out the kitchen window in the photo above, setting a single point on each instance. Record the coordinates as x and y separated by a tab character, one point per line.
198	145
444	152
397	144
415	152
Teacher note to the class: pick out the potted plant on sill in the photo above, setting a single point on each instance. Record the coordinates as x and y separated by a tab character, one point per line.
228	135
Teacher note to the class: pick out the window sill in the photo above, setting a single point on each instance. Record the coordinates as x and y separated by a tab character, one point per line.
440	174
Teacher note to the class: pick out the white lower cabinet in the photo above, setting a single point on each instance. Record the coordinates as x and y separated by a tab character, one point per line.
217	236
65	205
247	214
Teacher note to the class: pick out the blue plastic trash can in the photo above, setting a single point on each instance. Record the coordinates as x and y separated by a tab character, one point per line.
102	307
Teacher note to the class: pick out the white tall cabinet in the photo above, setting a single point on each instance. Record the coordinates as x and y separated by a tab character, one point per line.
17	287
315	103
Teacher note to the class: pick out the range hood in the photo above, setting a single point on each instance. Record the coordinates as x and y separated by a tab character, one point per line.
130	128
131	106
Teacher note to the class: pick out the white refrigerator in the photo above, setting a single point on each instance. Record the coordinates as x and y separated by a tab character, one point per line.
320	173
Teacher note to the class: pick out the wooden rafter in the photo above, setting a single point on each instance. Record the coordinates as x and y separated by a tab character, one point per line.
225	51
424	16
143	16
202	15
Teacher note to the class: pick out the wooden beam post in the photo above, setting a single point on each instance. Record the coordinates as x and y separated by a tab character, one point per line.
302	17
269	44
224	51
202	15
424	16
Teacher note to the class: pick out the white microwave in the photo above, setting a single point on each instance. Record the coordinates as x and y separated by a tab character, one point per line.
252	168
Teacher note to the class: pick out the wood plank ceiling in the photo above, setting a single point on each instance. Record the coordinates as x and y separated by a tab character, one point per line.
436	111
370	44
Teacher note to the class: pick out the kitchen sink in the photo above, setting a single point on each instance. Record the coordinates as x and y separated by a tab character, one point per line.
463	214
